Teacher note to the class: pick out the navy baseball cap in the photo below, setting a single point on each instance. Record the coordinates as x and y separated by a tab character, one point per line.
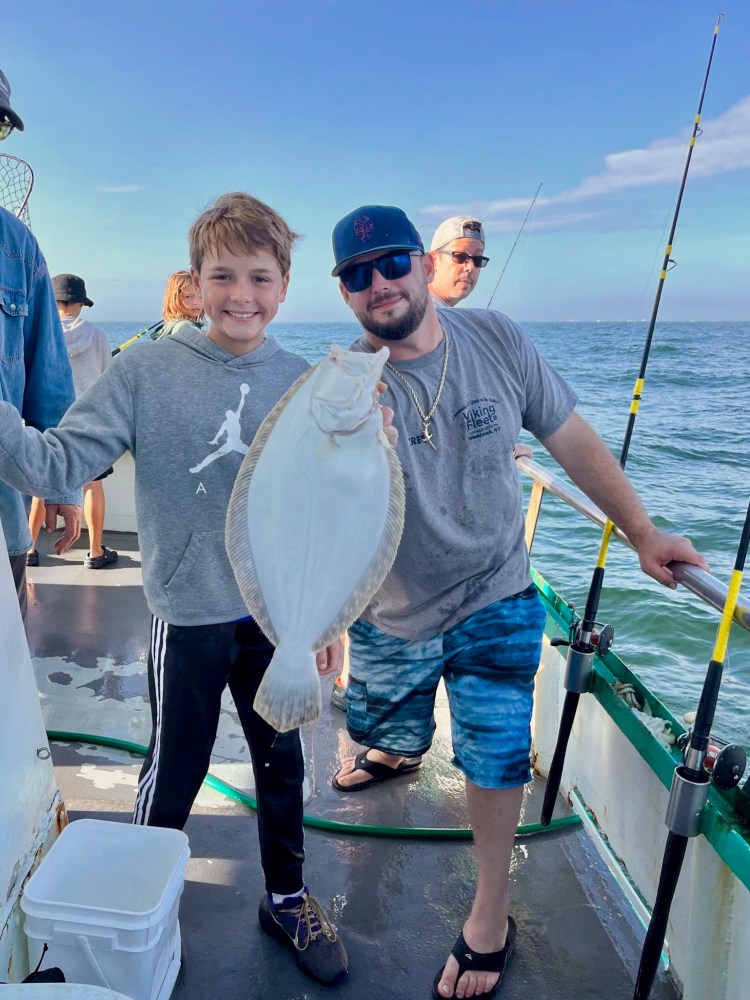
369	228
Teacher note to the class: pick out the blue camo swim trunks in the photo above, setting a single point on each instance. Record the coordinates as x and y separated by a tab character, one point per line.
488	663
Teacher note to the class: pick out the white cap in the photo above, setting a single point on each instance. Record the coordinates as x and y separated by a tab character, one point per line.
457	228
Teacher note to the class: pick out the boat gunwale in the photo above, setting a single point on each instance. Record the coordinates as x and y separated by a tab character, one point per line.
723	821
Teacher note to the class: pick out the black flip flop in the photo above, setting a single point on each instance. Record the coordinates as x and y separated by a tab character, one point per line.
491	961
380	772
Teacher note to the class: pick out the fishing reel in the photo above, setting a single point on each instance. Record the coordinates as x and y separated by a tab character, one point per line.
581	651
602	637
724	762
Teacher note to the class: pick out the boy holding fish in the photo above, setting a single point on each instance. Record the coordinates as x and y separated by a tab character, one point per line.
458	603
216	389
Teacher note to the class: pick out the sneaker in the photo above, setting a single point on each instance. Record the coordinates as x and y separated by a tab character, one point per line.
338	697
300	923
32	558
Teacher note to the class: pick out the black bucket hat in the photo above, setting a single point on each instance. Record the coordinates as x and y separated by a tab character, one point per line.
70	288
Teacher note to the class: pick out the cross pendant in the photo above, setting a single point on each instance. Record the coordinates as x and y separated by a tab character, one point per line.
426	434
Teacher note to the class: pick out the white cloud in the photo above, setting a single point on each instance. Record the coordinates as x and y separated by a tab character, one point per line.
724	146
121	188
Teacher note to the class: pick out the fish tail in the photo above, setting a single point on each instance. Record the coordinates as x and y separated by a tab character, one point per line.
289	694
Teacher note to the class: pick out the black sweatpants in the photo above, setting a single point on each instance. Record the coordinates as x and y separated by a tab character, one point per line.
188	668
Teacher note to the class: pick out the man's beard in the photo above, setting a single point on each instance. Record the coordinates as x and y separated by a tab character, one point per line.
398	328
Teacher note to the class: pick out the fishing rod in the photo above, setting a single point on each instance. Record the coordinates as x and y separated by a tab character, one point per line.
507	259
584	641
141	333
690	782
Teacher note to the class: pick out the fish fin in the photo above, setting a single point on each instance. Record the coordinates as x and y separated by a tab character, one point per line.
236	534
381	561
289	694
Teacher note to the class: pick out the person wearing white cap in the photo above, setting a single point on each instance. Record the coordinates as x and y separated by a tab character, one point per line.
35	375
457	252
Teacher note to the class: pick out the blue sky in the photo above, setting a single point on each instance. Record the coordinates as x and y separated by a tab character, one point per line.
138	113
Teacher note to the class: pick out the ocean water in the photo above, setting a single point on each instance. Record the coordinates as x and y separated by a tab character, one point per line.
689	459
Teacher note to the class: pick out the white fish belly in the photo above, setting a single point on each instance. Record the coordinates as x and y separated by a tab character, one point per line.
316	515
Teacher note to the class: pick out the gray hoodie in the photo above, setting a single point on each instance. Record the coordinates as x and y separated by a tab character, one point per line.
187	411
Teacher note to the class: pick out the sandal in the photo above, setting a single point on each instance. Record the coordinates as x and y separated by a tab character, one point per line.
98	562
380	772
491	961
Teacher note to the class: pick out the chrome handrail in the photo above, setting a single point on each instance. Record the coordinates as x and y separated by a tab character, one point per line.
696	580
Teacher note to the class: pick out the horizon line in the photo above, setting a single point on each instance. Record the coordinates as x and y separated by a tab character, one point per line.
520	322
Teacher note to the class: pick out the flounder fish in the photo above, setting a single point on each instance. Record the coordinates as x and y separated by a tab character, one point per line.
314	522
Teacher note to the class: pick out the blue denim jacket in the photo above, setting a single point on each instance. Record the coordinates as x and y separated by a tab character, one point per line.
35	371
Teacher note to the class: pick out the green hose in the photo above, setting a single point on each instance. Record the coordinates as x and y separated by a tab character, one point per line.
314	822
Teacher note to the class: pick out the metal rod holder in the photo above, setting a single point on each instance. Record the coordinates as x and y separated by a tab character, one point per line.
579	667
687	799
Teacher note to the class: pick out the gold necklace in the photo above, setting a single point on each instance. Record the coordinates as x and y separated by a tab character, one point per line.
425	417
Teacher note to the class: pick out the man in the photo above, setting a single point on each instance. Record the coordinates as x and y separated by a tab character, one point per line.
458	602
457	253
457	257
35	372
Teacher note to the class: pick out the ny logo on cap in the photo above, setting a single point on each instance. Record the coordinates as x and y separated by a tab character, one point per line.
363	227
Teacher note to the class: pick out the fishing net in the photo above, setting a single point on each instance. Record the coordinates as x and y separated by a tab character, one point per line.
16	182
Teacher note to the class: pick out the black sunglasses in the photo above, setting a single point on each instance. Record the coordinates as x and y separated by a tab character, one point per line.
460	257
358	277
6	128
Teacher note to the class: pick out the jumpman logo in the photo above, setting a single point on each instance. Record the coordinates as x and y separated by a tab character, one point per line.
231	428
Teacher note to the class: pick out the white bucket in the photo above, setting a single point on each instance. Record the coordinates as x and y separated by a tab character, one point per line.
105	901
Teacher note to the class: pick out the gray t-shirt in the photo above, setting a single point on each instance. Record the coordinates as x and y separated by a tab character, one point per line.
463	544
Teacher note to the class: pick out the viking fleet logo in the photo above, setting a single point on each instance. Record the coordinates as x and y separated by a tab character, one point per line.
480	417
363	227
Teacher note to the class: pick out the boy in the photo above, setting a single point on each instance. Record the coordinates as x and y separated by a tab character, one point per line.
90	356
170	404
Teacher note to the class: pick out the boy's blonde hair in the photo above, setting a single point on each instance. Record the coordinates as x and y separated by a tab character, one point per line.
173	307
242	224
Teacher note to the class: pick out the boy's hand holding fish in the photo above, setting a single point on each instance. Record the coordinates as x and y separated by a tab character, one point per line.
330	659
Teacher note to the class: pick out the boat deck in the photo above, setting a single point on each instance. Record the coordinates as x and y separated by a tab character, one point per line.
398	903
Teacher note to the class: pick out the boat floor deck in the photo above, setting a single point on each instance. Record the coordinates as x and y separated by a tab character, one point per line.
398	903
